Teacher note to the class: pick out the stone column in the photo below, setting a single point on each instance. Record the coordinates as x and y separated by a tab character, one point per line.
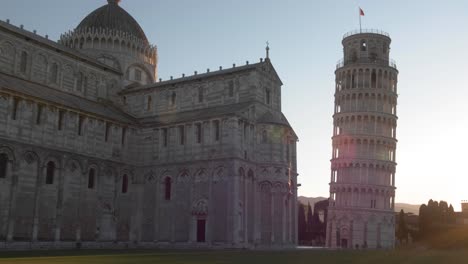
39	180
256	205
137	219
234	195
157	208
12	205
209	217
333	234
272	215
246	210
58	212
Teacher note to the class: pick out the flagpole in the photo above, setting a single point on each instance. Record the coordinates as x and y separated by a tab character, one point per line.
360	27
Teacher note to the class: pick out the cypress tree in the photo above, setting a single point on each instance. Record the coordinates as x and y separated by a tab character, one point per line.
301	222
309	222
402	231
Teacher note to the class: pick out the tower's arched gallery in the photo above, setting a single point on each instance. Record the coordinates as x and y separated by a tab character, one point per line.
362	186
95	151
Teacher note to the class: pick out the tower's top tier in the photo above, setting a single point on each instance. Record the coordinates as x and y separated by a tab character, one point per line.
372	46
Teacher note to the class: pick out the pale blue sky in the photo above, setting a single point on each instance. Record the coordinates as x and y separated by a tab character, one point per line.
430	45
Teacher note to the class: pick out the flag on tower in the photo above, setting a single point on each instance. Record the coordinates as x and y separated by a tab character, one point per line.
361	12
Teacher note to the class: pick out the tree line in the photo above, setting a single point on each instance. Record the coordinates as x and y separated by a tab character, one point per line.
434	219
311	227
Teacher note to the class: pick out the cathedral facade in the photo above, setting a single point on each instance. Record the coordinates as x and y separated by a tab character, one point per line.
96	151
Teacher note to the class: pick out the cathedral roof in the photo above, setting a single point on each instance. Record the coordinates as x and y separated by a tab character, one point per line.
113	17
52	45
197	77
275	119
28	88
198	114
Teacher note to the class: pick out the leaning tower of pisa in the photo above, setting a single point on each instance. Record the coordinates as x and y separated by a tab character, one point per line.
362	185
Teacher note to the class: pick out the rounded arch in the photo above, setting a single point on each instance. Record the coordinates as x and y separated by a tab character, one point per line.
142	67
265	186
92	177
54	158
6	159
200	207
279	187
125	183
40	55
9	152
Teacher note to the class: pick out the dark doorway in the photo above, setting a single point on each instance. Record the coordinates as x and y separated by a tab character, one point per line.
344	243
201	228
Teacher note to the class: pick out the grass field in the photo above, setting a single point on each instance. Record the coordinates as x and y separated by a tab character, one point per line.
242	257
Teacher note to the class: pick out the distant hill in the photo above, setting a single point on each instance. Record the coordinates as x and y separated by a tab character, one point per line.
408	208
311	200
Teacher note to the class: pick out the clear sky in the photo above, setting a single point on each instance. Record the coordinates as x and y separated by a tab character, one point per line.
430	45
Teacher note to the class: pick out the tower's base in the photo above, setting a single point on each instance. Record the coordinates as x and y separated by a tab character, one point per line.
360	229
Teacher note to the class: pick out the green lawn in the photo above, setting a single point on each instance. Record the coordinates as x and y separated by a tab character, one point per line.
242	257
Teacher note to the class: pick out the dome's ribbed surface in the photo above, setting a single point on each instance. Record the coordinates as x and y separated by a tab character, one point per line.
113	17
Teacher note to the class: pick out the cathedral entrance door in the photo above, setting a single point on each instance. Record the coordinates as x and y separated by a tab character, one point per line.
344	243
201	230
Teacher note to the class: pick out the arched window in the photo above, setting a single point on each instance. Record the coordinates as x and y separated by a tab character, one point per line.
137	75
173	98
3	165
264	136
182	135
250	174
53	73
267	96
167	188
165	135
125	184
198	132
15	108
354	56
200	95
50	172
149	103
85	83
363	45
373	79
231	88
91	178
217	130
79	81
23	62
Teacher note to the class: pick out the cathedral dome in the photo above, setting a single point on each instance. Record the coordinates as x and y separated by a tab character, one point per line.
113	17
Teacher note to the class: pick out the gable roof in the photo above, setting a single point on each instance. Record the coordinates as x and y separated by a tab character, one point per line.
199	77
